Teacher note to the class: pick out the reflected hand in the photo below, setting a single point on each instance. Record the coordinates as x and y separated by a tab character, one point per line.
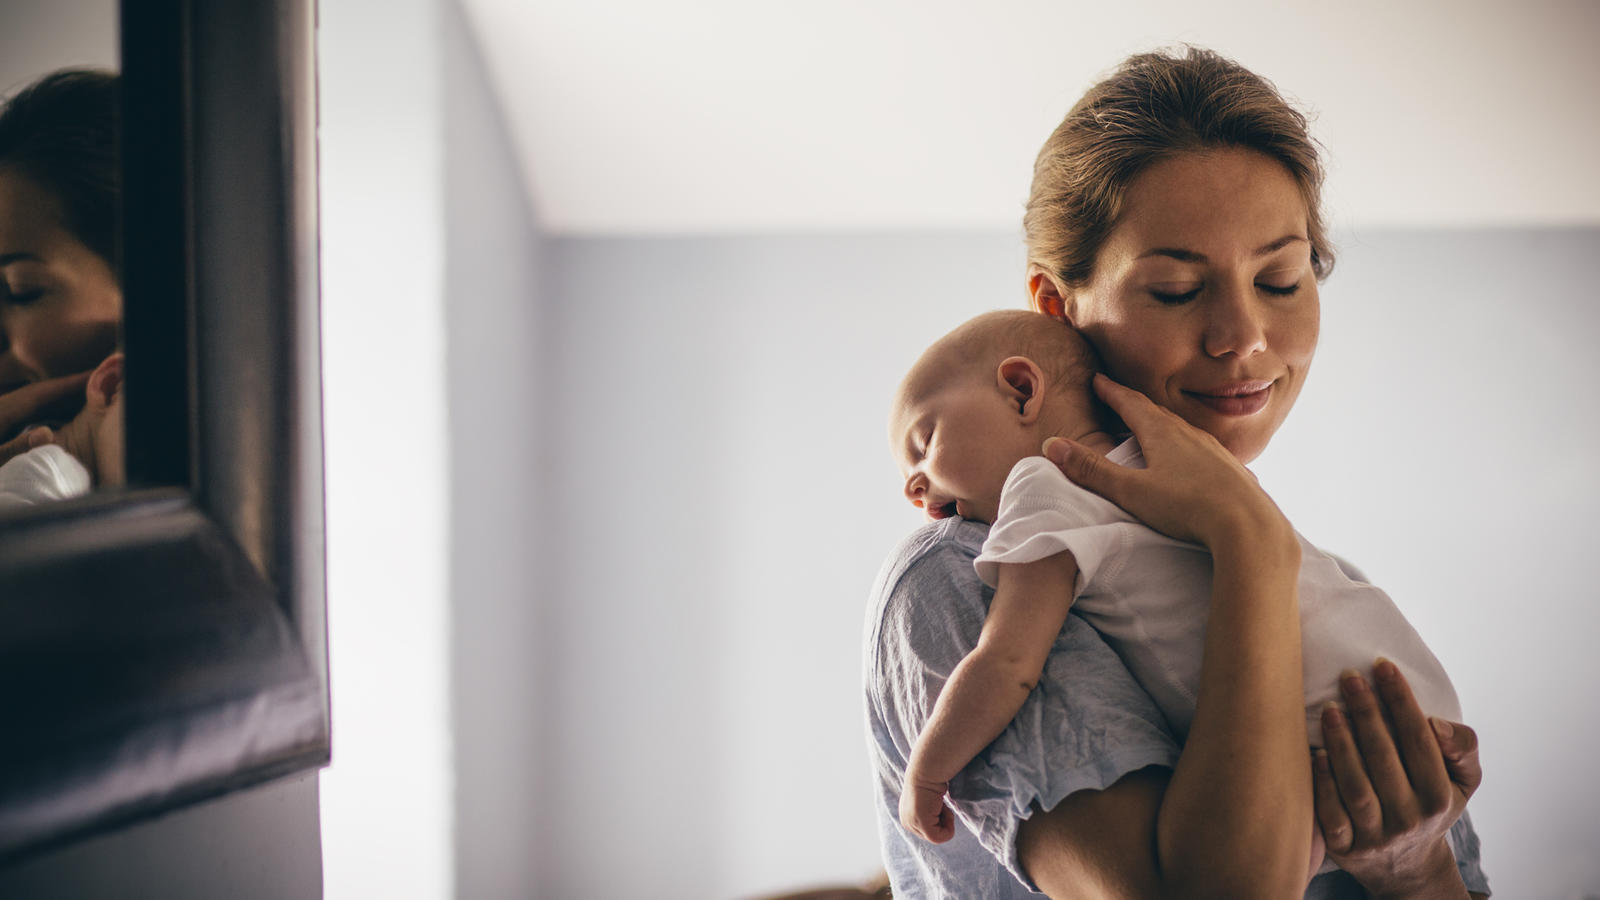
1193	489
1384	809
32	402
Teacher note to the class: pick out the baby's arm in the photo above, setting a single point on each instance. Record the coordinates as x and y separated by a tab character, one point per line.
987	688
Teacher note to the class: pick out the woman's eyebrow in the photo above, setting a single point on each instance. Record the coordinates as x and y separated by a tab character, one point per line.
1182	255
1279	244
7	259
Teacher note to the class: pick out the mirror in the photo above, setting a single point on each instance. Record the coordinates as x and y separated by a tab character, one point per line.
163	644
60	296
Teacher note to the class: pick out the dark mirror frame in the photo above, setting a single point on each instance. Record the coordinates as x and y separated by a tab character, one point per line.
166	643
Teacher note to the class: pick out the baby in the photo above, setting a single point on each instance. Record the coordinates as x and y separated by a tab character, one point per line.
967	425
66	461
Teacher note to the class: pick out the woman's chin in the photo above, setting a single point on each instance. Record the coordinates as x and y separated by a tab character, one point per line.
1245	441
1245	436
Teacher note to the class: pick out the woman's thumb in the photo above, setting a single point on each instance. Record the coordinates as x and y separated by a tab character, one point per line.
1459	745
1083	466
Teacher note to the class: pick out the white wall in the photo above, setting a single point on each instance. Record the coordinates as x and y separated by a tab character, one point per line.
495	368
434	385
726	495
387	798
1446	443
39	36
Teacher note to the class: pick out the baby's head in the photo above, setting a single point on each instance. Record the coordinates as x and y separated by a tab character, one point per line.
94	436
982	398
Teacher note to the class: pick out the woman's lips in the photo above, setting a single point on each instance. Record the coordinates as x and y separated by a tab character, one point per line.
1245	398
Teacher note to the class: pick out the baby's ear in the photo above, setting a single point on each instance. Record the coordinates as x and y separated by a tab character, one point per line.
105	382
1022	381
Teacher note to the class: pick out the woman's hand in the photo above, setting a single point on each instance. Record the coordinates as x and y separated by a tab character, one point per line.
32	402
1193	489
1235	819
1385	809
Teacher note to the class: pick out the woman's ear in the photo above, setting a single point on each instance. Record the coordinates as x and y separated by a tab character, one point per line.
1022	381
1046	294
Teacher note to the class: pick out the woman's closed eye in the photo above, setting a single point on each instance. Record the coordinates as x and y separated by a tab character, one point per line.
1279	290
20	291
21	298
1172	298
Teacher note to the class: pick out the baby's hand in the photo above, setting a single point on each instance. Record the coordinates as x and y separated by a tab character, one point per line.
923	812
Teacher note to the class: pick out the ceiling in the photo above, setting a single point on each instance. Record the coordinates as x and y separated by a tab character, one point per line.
717	116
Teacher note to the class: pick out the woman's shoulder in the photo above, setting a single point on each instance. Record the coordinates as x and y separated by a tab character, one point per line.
928	607
924	614
942	542
929	570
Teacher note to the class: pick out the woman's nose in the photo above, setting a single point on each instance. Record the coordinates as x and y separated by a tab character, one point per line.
12	372
1236	325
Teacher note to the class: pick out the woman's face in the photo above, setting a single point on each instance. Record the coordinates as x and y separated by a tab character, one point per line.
1203	296
59	301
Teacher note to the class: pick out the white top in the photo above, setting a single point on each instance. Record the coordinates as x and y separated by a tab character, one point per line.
1149	595
41	475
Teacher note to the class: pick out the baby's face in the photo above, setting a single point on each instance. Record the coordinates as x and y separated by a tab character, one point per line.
955	444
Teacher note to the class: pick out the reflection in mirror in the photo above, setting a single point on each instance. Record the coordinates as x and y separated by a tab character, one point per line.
161	645
60	296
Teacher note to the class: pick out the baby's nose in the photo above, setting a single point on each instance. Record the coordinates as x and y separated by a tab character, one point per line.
916	487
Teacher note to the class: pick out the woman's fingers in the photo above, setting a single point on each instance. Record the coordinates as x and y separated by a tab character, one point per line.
1350	775
1191	489
1388	787
1135	408
1459	745
40	399
1331	816
1086	468
17	445
32	402
1419	751
1382	761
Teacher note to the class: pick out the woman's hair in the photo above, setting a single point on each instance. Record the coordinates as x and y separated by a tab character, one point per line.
1155	106
60	133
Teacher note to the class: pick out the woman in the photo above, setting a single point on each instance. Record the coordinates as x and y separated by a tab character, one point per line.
1175	221
60	301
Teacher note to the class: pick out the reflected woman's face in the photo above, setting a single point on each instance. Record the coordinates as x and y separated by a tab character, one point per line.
60	304
1203	297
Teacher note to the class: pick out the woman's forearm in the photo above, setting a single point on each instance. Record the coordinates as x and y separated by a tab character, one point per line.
1236	817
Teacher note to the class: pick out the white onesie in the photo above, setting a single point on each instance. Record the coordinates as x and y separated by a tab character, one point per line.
41	475
1149	595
